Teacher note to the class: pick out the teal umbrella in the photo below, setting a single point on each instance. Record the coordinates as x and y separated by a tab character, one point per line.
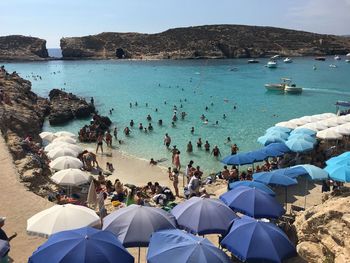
303	131
344	158
299	136
270	138
299	145
278	129
340	173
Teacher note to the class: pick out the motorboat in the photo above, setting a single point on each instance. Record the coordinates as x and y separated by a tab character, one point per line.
278	86
292	89
320	58
332	66
336	57
275	57
347	60
271	64
287	60
348	55
253	61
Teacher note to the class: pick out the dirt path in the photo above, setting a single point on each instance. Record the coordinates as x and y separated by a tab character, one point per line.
17	204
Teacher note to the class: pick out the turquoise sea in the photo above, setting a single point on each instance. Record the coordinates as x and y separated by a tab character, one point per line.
222	83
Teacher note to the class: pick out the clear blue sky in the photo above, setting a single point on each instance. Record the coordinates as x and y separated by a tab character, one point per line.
53	19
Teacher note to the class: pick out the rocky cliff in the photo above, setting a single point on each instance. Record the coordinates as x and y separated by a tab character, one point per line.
323	231
216	41
18	47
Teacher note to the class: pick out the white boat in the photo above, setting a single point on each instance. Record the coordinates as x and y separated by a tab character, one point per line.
332	66
347	60
292	89
253	61
348	55
271	64
287	60
275	57
336	57
278	86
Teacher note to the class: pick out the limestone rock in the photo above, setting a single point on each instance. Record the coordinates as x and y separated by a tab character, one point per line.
323	231
214	41
18	47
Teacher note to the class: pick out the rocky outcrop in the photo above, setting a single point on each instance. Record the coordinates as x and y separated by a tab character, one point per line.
18	47
66	106
22	115
323	231
216	41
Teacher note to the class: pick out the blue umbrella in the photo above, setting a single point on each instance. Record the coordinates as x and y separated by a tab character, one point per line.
282	135
340	159
252	184
278	129
275	149
303	131
133	225
299	145
299	136
173	246
238	159
268	139
282	177
203	216
258	155
313	172
252	202
339	173
86	244
257	241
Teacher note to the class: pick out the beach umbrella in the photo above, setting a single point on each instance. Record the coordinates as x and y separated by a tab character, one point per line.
65	134
299	136
299	145
133	225
306	131
342	129
258	155
340	158
203	216
59	152
253	240
282	177
252	184
86	245
338	120
328	134
61	217
66	162
47	136
238	159
308	119
328	115
252	202
270	138
92	196
71	177
286	124
340	173
330	122
298	121
173	246
65	139
275	149
4	248
278	129
345	117
315	126
59	144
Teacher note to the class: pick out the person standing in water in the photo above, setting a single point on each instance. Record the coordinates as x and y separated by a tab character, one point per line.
167	140
199	143
100	140
189	147
115	132
216	151
177	160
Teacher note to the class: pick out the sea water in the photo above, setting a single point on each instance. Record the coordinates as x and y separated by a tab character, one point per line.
231	87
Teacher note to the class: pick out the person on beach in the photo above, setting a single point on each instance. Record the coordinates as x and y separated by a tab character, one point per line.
177	160
189	147
194	185
167	140
189	171
115	133
216	151
139	199
4	258
173	152
120	190
152	162
101	197
130	200
199	143
234	149
204	193
175	179
198	172
108	139
100	140
207	146
225	174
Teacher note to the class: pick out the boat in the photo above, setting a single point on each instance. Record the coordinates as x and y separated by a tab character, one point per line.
275	57
271	64
292	89
287	60
332	66
347	60
278	86
253	61
336	57
320	58
348	55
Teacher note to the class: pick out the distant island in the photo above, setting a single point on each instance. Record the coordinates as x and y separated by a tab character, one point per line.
214	41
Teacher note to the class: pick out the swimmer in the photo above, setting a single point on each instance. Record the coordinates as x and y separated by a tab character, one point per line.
146	104
189	147
207	146
145	130
136	103
149	118
206	108
202	117
173	124
228	140
199	143
132	123
160	122
174	117
217	123
206	121
224	116
183	115
165	102
140	126
150	127
234	107
192	130
130	105
156	110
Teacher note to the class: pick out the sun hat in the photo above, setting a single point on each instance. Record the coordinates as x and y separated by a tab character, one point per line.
2	219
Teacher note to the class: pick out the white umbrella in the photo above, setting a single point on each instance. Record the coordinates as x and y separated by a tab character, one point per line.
60	218
286	124
328	134
61	151
66	162
342	129
315	126
70	177
47	136
65	139
298	121
317	117
59	144
308	119
345	117
330	122
328	115
65	134
92	196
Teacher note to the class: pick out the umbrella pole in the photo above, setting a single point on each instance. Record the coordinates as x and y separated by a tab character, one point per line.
183	180
306	184
139	255
286	198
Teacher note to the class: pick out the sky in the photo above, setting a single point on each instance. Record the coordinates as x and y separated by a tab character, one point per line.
54	19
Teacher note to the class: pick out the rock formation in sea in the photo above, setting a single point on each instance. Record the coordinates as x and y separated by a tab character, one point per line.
214	41
67	106
323	231
16	47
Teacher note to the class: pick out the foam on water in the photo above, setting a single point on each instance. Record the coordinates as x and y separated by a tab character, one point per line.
225	83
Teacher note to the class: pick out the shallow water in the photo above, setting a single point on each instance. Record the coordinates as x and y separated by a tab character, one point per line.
225	83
